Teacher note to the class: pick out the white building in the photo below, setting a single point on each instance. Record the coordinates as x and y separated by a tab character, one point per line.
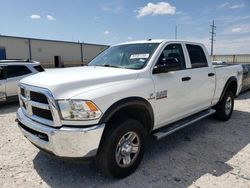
51	53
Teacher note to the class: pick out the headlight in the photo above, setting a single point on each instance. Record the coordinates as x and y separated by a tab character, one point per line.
79	110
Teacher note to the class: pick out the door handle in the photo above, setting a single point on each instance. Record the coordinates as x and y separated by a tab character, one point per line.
184	79
210	74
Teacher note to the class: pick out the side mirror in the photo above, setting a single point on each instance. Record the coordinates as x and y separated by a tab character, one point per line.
170	64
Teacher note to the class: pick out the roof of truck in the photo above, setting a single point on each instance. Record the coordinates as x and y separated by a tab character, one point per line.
156	41
18	62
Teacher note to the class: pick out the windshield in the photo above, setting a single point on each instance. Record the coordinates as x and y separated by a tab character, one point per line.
129	56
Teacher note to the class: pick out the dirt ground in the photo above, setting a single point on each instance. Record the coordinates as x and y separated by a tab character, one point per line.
206	154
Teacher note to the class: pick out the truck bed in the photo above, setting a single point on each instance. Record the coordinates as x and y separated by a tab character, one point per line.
223	72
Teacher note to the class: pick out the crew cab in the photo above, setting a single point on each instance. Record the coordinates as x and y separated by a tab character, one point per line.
106	110
11	72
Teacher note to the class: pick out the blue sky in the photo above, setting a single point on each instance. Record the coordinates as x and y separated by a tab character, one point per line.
110	22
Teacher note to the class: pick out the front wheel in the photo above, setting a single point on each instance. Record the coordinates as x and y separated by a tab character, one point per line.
122	148
225	107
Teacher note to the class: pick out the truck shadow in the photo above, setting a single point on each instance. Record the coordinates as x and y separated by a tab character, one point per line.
176	161
244	95
6	108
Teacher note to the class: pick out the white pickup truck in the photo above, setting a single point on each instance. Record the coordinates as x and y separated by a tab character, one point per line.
106	110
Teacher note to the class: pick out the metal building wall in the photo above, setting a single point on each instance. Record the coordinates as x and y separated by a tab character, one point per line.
44	51
242	58
90	51
15	48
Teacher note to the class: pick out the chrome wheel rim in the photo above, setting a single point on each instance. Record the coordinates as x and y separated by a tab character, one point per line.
228	106
127	149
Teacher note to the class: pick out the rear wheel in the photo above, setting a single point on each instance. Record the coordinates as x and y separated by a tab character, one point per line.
225	107
122	148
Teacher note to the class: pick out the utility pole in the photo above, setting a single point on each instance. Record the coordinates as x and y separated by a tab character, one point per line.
213	34
176	32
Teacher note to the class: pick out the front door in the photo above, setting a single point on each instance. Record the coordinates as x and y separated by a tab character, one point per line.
172	93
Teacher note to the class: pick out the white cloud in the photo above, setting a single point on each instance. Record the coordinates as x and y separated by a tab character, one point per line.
114	7
161	8
234	45
96	18
243	28
35	16
130	38
230	19
107	32
237	6
50	18
236	30
226	4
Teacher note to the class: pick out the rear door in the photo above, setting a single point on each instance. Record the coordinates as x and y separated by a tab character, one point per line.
202	82
2	84
14	74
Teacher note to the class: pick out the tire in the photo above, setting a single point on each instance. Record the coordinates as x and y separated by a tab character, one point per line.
225	107
116	148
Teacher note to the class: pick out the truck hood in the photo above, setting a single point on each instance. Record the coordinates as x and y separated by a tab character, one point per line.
68	82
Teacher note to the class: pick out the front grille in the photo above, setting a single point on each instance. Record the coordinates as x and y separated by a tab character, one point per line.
42	136
46	114
38	97
38	105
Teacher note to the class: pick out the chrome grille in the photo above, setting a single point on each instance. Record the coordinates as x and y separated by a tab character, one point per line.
38	104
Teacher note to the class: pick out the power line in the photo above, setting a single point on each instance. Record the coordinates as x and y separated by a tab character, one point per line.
213	35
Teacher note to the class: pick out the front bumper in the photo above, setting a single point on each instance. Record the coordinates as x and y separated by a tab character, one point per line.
62	142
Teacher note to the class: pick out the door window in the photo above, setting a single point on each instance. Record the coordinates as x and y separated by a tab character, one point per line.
197	56
17	70
173	52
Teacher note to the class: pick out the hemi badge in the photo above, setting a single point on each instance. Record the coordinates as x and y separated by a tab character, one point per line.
161	94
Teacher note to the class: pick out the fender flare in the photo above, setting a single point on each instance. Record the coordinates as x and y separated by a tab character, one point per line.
229	81
129	102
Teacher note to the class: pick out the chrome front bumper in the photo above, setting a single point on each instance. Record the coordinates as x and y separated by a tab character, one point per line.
63	142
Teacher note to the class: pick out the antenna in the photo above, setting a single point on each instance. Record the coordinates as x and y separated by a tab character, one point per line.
176	32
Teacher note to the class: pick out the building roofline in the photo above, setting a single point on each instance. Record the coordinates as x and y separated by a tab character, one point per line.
49	40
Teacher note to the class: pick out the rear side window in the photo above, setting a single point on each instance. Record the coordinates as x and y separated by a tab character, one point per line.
17	70
39	68
197	56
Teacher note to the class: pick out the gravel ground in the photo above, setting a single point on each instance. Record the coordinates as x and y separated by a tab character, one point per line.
207	154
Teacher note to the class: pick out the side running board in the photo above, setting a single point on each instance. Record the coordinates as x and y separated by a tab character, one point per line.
169	129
